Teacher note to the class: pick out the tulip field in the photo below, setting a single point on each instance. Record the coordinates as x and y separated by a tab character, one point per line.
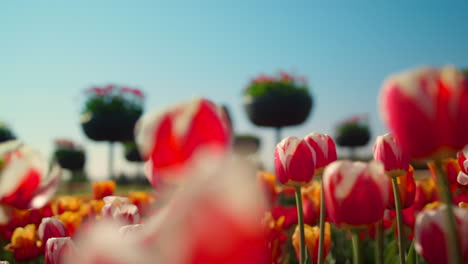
209	204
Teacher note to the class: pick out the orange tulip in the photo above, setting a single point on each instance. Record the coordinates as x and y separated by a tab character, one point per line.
25	244
102	189
312	235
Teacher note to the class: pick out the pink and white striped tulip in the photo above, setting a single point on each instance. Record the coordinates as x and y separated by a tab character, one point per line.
25	178
430	232
388	151
120	208
57	248
463	174
427	111
324	148
294	161
356	193
172	140
51	227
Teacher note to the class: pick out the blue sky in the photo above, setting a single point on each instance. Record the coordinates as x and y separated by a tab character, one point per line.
50	51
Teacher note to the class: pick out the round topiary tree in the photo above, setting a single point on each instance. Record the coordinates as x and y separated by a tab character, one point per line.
277	101
352	133
71	157
110	114
5	133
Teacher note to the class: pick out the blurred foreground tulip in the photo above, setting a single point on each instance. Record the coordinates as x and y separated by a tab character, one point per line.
324	148
294	161
51	227
312	235
103	243
427	110
348	206
57	248
172	140
25	244
102	189
215	220
25	178
430	240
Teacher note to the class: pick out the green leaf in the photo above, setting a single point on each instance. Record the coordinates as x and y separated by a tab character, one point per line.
411	258
391	253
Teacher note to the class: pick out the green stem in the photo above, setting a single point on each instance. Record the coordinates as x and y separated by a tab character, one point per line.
357	257
300	215
379	243
321	225
453	244
399	218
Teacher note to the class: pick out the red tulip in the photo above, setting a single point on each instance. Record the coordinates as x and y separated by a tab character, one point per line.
462	177
325	150
430	231
172	140
312	235
25	179
356	193
387	150
426	192
427	111
407	189
451	171
57	248
294	161
51	227
288	213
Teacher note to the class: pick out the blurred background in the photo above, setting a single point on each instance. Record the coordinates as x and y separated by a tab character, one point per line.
52	51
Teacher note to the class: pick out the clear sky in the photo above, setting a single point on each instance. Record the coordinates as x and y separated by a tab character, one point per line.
50	51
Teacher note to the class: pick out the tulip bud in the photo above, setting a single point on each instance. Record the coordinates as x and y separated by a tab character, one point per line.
388	151
324	148
427	111
430	232
294	161
312	236
57	248
407	189
51	227
347	204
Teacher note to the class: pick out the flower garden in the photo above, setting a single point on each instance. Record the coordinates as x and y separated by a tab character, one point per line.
210	203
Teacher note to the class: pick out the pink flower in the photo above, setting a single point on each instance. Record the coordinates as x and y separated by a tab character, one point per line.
388	151
120	208
427	111
25	178
356	193
173	140
294	161
57	248
51	227
430	234
463	174
324	148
